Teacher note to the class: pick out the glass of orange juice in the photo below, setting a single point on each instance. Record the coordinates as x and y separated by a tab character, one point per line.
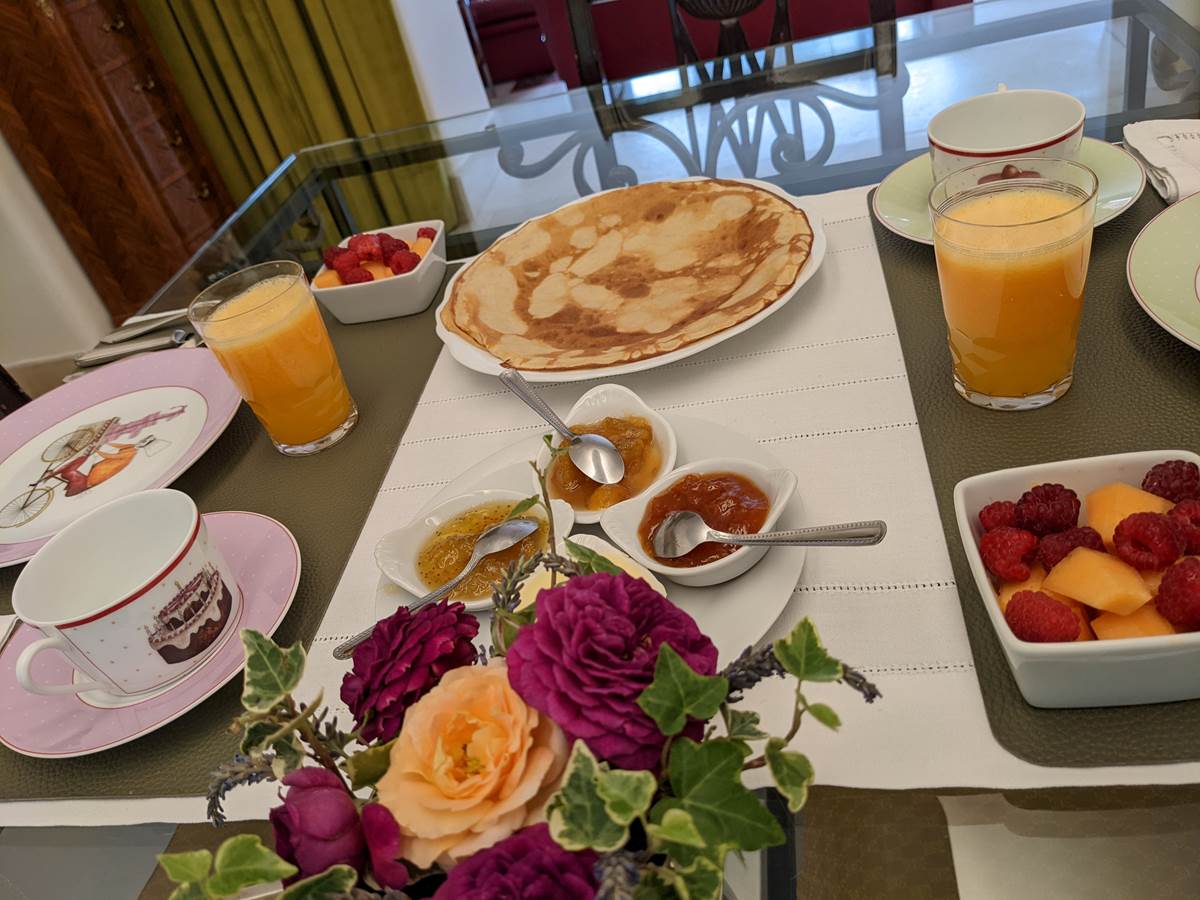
1012	240
263	325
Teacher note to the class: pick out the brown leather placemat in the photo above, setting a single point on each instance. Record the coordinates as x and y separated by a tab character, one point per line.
323	499
1136	388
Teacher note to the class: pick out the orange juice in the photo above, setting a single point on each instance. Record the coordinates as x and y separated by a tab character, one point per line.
1012	264
271	340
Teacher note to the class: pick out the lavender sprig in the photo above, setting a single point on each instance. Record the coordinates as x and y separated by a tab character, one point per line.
618	875
855	679
241	770
749	669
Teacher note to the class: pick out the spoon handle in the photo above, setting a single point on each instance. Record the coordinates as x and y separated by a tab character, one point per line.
512	380
849	534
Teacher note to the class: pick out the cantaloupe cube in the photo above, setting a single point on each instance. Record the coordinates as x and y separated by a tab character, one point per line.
421	246
1099	581
1153	578
1144	622
1034	582
1107	506
378	269
327	278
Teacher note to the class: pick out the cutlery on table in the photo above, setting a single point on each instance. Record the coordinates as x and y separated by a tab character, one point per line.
145	326
595	456
8	627
499	537
682	532
107	354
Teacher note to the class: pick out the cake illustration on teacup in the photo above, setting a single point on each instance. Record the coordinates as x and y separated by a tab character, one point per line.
193	619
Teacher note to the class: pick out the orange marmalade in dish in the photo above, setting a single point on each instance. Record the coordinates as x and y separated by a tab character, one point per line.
446	552
634	439
727	502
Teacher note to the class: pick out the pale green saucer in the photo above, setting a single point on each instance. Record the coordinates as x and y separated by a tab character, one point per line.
901	202
1164	269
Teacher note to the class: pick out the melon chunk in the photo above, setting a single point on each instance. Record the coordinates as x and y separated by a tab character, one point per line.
1154	577
1144	622
1099	581
1108	505
1033	583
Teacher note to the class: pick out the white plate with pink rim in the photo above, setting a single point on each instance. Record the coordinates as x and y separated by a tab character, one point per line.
266	562
479	360
130	426
736	614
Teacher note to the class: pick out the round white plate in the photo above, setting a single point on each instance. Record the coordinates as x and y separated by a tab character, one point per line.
901	202
1163	269
481	361
734	614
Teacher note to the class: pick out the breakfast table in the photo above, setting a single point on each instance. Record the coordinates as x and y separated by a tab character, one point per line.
949	785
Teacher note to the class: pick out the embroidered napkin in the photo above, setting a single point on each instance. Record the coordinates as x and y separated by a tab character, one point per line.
1170	151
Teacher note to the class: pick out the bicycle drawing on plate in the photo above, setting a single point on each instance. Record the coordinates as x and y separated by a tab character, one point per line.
109	446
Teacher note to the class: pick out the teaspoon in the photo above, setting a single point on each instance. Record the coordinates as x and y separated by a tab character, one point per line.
682	532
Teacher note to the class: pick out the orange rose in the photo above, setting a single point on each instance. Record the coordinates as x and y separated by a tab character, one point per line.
472	764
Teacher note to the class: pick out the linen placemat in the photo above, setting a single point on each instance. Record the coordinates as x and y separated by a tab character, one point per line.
1136	388
323	499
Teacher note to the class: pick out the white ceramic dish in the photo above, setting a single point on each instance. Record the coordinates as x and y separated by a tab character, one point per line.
480	361
399	295
621	522
1083	673
613	400
396	552
735	615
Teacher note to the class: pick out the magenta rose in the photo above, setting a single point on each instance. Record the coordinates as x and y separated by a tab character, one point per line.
405	656
528	865
591	652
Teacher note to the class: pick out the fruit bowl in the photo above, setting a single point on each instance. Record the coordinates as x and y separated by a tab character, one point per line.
1091	673
397	295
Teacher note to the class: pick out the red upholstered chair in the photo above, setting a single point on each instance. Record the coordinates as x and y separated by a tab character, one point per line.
510	38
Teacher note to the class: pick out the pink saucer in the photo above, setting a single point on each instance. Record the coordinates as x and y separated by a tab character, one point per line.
266	560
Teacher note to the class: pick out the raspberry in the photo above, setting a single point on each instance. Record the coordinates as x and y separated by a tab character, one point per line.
1148	540
1187	516
427	232
1034	616
1054	548
1179	595
328	254
357	275
366	246
1047	508
1174	479
403	261
342	259
1007	551
998	514
390	245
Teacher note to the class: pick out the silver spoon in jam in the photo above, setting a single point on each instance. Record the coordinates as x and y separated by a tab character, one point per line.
682	532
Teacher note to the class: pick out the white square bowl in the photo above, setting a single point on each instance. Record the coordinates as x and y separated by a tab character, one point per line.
399	295
1083	673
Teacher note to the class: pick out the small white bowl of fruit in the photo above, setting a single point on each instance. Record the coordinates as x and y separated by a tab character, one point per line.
395	271
1090	573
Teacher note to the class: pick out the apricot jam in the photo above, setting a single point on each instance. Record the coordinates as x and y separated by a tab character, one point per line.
634	439
727	502
446	552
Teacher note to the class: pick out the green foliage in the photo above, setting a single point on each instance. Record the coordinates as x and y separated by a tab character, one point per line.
193	865
367	766
288	751
332	884
656	884
590	561
626	795
272	672
523	507
678	691
241	861
742	725
825	715
803	655
595	805
701	880
677	827
792	771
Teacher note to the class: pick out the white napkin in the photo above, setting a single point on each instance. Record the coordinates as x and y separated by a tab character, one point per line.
1170	151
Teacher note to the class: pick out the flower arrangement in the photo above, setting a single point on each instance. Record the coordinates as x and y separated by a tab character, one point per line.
593	750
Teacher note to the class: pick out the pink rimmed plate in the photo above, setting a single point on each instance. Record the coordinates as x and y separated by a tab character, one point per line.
130	426
266	563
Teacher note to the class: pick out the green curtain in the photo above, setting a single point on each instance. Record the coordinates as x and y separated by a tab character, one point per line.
264	78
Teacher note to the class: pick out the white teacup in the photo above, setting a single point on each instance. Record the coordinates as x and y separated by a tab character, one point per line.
133	594
1005	124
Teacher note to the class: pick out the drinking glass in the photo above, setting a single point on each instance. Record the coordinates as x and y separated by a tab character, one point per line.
263	325
1012	240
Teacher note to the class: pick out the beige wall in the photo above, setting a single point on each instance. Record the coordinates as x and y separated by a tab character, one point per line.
440	51
48	307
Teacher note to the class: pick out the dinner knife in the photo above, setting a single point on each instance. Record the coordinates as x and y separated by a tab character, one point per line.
137	329
129	348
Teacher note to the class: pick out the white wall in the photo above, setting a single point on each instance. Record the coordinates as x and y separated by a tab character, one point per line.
437	44
48	308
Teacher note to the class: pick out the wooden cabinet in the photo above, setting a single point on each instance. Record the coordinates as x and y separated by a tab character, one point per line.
90	110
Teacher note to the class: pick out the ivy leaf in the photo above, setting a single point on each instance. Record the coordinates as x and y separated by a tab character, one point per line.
656	884
678	691
193	865
742	725
702	880
367	766
523	507
578	815
332	884
242	861
591	561
803	655
288	751
706	781
792	771
825	715
677	827
191	890
626	795
272	672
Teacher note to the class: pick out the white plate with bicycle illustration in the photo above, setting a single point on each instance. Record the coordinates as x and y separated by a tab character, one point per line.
130	426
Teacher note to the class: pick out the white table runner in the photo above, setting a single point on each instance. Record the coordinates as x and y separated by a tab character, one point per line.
823	384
